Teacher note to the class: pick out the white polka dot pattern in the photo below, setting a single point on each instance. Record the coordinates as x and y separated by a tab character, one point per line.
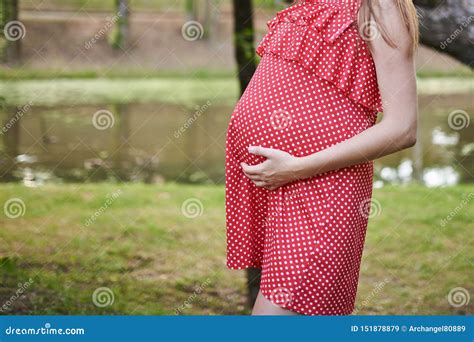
308	235
323	37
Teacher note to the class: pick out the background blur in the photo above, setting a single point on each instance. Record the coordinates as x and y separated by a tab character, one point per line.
113	117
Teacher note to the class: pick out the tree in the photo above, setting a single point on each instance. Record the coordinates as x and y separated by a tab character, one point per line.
120	34
444	26
244	41
12	31
246	63
205	12
191	9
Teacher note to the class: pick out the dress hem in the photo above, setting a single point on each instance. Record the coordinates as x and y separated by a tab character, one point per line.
289	307
243	267
301	312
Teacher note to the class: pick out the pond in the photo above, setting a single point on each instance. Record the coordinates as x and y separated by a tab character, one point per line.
173	129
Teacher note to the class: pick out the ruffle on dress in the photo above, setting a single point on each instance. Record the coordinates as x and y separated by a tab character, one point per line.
322	36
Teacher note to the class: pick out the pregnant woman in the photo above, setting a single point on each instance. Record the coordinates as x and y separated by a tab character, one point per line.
301	143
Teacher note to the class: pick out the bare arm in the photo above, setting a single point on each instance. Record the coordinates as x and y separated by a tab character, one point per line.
397	82
397	130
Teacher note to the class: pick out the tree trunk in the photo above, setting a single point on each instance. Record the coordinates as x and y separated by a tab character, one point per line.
205	12
191	10
446	25
448	28
245	56
121	31
244	41
11	31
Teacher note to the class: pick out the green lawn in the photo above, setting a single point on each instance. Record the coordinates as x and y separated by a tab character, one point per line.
179	90
154	259
28	73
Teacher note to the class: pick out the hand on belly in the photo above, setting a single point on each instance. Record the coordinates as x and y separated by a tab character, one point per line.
278	169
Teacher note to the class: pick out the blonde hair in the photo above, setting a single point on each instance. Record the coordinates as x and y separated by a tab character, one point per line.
407	12
367	12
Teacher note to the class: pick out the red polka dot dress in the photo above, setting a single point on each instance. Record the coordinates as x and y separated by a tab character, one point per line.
315	87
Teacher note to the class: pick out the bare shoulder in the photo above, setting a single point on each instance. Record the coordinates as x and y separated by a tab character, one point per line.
389	18
385	5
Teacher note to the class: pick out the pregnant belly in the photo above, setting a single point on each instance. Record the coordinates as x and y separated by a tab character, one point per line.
294	111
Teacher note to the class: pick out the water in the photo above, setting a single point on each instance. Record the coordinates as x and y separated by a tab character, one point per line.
162	130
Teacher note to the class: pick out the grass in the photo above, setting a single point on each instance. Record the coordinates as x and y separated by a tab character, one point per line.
184	91
462	72
154	259
25	73
175	90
